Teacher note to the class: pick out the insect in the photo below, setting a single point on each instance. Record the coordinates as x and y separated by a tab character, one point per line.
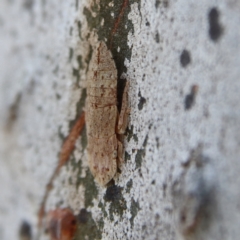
105	125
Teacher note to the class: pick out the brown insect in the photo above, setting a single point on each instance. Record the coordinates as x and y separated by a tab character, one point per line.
104	124
61	224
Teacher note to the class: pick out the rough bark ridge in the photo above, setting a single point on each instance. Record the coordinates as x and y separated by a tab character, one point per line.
181	176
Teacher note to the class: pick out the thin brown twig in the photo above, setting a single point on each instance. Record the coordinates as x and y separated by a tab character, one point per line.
117	22
66	150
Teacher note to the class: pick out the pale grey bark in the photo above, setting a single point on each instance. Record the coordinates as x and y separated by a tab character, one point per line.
182	58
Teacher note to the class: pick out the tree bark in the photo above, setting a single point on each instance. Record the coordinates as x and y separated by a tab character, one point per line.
180	179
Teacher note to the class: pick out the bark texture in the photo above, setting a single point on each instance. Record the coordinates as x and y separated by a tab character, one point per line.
181	175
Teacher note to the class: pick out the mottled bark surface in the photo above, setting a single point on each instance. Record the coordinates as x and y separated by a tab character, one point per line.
181	175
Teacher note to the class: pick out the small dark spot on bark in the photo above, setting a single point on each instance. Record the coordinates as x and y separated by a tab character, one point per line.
13	111
79	29
157	140
131	134
28	4
215	28
76	4
39	108
134	211
185	58
183	217
58	96
82	217
25	231
190	98
135	137
129	185
113	193
80	62
157	217
55	70
70	31
164	3
147	24
141	154
145	141
139	158
142	101
70	54
164	189
157	37
76	74
144	227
